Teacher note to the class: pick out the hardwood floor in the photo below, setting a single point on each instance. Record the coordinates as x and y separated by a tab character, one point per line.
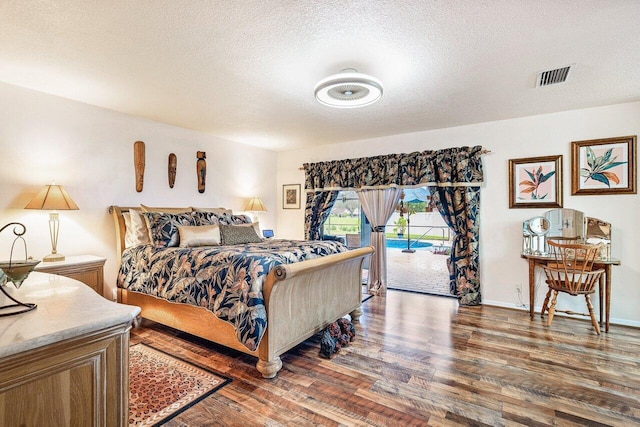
420	360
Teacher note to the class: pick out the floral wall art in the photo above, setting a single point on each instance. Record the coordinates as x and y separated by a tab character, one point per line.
535	182
603	166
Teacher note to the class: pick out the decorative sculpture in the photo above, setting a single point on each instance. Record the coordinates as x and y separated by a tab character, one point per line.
173	165
335	336
201	169
16	272
138	162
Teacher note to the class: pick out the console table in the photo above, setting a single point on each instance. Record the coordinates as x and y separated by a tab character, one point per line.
604	286
67	361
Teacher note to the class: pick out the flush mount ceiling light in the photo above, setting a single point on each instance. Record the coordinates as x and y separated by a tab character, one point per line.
348	89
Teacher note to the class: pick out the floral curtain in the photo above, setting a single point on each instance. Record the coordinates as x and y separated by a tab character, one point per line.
458	170
460	208
378	205
450	167
317	209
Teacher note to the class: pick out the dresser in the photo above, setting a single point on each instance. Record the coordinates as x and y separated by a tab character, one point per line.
88	269
67	361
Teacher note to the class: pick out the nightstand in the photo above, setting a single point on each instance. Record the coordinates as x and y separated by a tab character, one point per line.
88	269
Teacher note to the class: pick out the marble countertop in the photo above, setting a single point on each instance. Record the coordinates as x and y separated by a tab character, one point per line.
66	309
70	260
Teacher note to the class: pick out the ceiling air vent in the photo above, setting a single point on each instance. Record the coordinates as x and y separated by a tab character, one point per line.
551	77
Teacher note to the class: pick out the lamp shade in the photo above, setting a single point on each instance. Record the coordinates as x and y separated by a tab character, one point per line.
52	197
255	205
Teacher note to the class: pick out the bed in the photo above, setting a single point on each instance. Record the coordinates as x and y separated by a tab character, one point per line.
302	287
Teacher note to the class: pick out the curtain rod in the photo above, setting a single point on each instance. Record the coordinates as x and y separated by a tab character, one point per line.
484	151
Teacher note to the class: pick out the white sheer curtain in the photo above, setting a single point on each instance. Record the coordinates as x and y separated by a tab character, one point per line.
378	205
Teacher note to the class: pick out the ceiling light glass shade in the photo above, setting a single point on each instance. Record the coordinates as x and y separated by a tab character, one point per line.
348	89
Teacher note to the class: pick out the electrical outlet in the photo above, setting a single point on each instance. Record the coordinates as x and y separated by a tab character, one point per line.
518	287
114	296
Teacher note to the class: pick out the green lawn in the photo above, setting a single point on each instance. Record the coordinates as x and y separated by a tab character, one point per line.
339	225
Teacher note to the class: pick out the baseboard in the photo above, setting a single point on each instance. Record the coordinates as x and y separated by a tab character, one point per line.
612	320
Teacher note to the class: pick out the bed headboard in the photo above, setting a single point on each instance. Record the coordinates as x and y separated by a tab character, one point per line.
118	220
120	227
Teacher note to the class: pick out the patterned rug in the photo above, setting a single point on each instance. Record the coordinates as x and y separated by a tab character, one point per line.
161	386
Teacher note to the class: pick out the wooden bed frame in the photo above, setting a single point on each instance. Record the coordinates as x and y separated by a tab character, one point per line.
300	299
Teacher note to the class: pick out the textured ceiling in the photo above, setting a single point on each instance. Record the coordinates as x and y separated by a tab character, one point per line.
245	70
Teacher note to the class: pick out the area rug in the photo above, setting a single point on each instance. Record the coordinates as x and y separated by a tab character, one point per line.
161	386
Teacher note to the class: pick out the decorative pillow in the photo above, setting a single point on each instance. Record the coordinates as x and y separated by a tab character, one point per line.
223	218
136	229
255	225
163	227
206	218
209	218
238	235
241	219
199	235
165	210
234	219
219	211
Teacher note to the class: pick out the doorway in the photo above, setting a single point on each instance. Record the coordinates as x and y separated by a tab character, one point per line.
418	246
418	242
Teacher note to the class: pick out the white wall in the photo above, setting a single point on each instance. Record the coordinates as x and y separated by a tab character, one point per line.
89	151
501	227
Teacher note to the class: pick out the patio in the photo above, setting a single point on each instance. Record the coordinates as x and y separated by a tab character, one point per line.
421	271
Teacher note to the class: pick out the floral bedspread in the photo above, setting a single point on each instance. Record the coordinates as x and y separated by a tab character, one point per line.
224	279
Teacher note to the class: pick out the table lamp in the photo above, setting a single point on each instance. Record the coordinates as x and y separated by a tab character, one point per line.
53	198
255	205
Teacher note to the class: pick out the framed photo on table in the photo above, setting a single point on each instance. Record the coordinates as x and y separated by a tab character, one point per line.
291	196
535	182
604	166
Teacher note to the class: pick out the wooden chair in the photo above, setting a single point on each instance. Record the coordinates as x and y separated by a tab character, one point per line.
353	241
572	273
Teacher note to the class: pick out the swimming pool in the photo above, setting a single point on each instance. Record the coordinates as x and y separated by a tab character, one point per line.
402	244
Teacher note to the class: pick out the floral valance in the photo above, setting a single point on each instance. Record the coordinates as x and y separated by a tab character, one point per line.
451	167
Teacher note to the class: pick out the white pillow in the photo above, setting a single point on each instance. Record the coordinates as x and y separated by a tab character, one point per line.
128	234
137	231
199	235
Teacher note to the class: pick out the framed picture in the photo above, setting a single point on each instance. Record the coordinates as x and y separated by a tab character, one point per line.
291	196
604	166
535	182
